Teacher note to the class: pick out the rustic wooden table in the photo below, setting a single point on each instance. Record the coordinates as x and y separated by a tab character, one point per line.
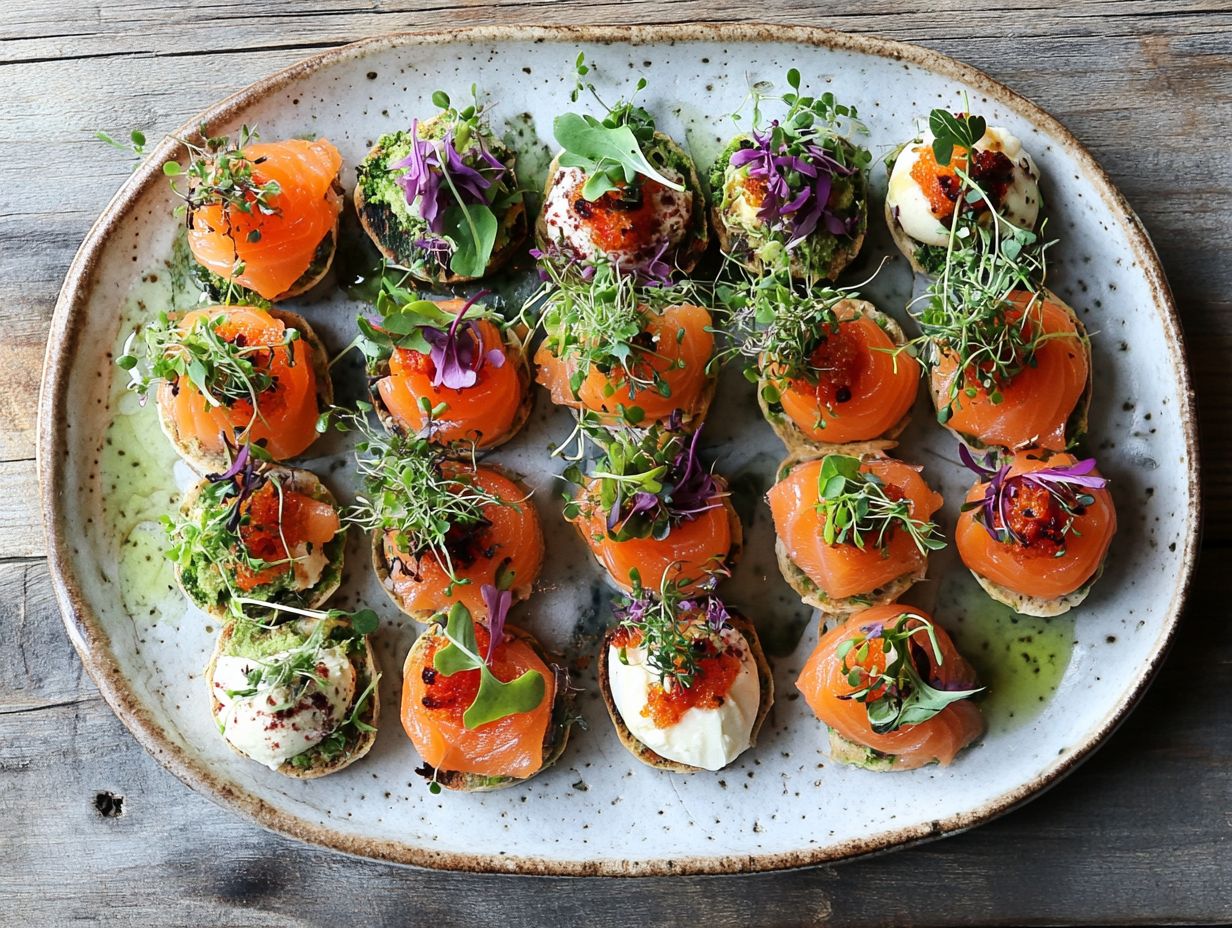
92	829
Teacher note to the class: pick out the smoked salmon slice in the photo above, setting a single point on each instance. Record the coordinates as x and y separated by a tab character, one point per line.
485	413
1035	408
433	706
284	418
679	345
274	524
861	389
272	249
507	544
1059	538
826	686
843	570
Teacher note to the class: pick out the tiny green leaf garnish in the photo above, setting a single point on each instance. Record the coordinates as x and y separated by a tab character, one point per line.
495	699
597	322
896	695
857	509
223	371
952	131
415	489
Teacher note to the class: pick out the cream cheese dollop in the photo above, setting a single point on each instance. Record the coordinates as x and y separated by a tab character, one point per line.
259	728
908	203
569	228
706	738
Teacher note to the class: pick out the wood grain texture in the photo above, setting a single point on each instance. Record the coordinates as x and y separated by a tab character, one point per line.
1140	834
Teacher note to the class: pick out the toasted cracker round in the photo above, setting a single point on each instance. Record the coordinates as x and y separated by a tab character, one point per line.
301	481
793	436
190	447
692	249
1035	605
647	756
554	743
366	669
382	566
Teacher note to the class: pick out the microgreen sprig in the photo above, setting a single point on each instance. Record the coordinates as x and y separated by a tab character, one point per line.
675	630
414	489
610	150
896	694
296	669
458	186
646	483
599	323
799	157
223	371
857	509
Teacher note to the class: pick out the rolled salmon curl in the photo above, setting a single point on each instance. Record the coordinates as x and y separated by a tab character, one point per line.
844	570
1034	408
433	706
1058	537
863	388
285	417
273	247
825	685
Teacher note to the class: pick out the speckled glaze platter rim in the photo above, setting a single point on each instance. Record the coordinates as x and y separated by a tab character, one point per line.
91	641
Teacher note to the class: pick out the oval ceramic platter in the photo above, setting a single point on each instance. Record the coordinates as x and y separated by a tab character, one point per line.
1056	687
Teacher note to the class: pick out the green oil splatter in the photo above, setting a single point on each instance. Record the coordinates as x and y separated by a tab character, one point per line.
1020	659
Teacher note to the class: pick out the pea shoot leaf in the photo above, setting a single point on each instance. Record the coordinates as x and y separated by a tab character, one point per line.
608	154
950	132
495	700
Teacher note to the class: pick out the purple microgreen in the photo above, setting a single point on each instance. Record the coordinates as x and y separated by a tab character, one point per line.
424	169
498	603
458	353
673	628
1064	484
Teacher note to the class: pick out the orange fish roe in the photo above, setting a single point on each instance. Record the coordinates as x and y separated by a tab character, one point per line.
711	683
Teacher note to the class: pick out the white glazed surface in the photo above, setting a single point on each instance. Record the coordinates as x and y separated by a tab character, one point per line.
599	810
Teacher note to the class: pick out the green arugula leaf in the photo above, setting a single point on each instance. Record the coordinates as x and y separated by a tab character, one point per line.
613	152
473	228
495	700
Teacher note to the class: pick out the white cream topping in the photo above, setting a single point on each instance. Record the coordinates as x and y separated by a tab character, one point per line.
257	727
909	204
706	738
572	231
310	562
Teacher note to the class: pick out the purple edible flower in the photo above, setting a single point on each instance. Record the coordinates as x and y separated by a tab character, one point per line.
426	167
1063	483
498	603
458	353
802	210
